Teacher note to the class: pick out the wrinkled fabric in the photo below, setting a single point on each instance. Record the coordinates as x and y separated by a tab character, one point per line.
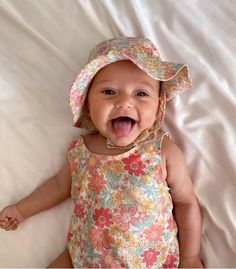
43	46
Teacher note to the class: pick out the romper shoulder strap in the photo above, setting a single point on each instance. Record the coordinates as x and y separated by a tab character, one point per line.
159	138
74	150
74	157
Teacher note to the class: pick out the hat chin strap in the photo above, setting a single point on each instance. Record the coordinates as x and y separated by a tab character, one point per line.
161	110
147	134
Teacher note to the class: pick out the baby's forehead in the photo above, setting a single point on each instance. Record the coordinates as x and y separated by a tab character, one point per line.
124	70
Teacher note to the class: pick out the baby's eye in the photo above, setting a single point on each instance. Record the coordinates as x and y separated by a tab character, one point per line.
108	91
141	93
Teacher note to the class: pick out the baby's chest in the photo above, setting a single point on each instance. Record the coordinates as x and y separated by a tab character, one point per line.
131	183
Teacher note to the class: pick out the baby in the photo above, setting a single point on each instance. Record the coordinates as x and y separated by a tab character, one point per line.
134	201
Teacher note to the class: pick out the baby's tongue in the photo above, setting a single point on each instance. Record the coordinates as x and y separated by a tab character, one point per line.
122	126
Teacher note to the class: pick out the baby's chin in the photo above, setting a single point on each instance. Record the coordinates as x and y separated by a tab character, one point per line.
121	141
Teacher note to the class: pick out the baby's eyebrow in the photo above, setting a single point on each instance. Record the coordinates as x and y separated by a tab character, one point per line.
100	82
145	83
151	86
104	81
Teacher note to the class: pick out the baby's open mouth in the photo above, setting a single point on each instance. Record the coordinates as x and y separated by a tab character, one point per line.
122	126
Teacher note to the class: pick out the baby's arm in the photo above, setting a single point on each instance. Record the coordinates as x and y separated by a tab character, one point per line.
53	191
186	208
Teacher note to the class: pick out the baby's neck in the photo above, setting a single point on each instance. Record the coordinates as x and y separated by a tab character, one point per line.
96	143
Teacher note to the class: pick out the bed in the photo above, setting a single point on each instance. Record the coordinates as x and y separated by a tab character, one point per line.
43	45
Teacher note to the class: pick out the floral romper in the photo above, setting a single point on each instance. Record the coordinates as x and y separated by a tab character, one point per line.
123	209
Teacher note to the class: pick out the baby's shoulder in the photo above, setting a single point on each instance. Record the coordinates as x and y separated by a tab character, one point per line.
170	152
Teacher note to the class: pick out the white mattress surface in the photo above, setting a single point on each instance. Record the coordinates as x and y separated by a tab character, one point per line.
43	45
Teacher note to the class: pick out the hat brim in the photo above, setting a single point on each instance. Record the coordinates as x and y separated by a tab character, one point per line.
175	78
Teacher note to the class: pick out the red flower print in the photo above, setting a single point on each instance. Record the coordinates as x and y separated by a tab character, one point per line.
134	165
102	217
79	211
78	100
171	262
72	144
150	256
125	217
148	51
69	236
108	260
158	174
96	183
170	224
100	238
154	233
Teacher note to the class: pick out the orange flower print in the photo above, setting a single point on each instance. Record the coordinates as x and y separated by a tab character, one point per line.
92	164
96	183
100	238
117	197
147	207
168	72
125	217
108	260
150	256
134	165
154	233
116	168
74	165
115	229
102	217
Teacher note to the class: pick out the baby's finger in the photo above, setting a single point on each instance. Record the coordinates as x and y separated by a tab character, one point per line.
3	224
8	224
12	225
3	220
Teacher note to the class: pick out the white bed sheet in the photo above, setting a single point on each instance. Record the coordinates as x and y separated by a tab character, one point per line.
43	44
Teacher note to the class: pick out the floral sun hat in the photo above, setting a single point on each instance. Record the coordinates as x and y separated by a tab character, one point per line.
143	53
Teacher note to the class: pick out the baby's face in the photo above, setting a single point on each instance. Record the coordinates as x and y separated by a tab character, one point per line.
123	102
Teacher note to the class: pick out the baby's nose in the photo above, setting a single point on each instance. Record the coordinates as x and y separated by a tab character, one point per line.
124	102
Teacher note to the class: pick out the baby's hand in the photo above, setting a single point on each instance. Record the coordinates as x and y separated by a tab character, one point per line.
10	218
